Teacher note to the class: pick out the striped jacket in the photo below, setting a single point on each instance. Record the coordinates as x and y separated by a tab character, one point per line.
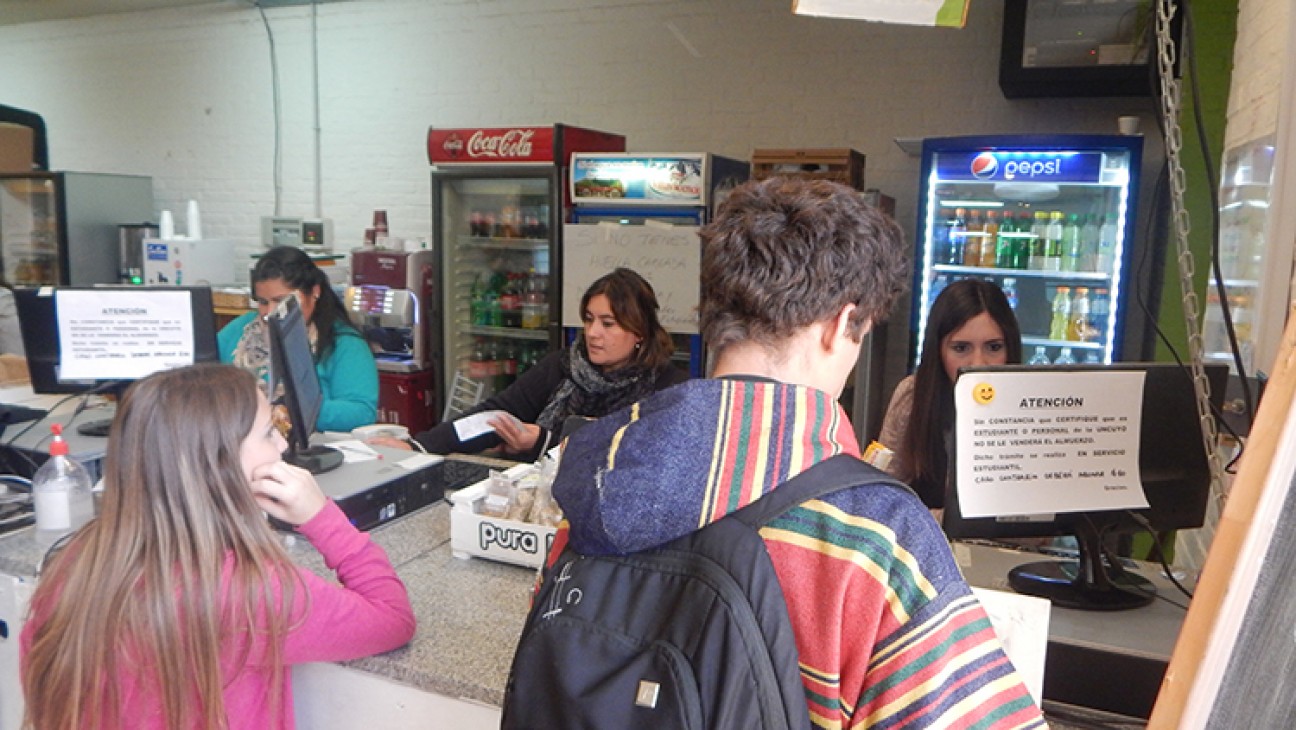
889	634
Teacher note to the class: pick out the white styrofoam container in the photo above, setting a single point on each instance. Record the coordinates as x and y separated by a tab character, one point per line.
508	541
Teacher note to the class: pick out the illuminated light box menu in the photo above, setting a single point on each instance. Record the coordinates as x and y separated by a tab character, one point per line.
1048	442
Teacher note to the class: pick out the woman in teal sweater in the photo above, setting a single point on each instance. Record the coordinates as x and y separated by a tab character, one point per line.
347	374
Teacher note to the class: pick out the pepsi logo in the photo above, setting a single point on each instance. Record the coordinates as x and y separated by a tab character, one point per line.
984	166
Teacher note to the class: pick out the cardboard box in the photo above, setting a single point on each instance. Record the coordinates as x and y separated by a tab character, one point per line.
17	148
507	541
839	164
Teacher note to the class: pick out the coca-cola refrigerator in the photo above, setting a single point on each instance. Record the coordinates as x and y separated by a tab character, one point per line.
499	201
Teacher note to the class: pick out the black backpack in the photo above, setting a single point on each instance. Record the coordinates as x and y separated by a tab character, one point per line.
693	634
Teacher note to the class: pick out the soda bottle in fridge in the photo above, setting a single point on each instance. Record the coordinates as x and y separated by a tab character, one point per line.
1061	313
989	240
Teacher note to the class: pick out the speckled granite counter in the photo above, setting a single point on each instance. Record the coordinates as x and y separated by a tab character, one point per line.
469	612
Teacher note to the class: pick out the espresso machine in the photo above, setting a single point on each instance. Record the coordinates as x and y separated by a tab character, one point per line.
394	301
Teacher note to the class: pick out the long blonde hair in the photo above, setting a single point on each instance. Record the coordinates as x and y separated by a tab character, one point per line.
139	590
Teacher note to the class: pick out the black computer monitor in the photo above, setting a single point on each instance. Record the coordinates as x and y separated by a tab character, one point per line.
292	366
1173	469
101	339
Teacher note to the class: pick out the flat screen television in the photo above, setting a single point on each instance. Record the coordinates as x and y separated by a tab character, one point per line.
101	339
1173	470
292	369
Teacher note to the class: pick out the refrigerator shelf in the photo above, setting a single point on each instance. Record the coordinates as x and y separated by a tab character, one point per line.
510	244
1037	273
511	332
1074	344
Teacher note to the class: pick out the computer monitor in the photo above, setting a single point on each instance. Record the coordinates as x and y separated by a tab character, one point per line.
292	366
1172	469
101	339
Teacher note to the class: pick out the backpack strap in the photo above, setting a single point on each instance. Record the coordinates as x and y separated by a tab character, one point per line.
830	475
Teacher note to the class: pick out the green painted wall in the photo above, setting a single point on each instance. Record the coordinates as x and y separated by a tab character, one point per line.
1216	31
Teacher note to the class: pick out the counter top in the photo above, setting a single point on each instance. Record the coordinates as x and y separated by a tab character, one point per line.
469	612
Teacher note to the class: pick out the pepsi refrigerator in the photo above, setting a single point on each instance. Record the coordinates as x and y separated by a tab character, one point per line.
1051	220
643	212
499	199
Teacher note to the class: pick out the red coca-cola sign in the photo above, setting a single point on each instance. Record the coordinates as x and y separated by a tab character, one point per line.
507	145
492	144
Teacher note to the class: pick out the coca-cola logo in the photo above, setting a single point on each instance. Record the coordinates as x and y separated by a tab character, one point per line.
453	144
513	143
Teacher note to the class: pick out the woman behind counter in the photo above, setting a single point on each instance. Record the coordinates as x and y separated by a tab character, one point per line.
970	325
347	374
178	607
622	355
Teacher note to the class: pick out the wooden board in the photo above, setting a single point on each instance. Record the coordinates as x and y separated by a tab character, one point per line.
1235	661
669	258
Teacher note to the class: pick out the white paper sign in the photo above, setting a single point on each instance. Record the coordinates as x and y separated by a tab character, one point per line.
470	427
115	334
1032	443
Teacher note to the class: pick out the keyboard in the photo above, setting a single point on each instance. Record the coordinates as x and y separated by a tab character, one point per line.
459	474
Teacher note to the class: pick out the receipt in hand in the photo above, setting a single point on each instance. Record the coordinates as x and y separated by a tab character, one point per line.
470	427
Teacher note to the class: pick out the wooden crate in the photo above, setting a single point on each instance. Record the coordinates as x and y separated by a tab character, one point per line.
840	164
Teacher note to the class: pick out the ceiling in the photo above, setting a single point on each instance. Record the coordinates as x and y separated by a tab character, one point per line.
13	12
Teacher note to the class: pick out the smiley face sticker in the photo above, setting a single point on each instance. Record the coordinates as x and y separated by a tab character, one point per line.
983	393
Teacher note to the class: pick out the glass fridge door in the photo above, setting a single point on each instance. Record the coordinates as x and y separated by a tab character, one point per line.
29	238
497	234
1056	248
1245	185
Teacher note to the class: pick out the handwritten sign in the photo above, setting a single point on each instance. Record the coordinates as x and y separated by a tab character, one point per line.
1048	442
112	334
669	258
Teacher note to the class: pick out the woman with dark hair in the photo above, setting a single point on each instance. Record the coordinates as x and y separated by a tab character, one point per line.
970	325
178	607
622	355
343	360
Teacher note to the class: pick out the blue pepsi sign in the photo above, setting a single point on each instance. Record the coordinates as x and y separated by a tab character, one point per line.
1002	166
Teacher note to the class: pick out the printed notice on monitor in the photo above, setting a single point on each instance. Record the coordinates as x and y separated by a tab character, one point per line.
121	334
1048	442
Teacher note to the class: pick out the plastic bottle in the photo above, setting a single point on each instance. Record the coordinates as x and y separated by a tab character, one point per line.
1053	247
1106	258
1039	241
972	241
989	239
1072	246
937	287
1061	313
1089	243
1040	357
1010	292
1065	357
956	237
1004	242
1078	325
1099	309
60	493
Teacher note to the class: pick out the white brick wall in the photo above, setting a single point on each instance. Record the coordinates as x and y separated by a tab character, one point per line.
1258	66
184	95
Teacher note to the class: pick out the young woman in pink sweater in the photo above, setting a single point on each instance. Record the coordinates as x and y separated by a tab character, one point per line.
178	607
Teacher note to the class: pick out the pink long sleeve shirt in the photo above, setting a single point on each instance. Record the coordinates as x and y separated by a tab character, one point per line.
368	613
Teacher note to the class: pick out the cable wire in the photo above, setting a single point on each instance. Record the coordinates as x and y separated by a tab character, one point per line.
278	121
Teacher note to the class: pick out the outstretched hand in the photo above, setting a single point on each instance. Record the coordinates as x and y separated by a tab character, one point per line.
287	493
518	437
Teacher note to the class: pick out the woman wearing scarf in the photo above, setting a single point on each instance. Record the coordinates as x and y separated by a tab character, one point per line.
343	361
622	355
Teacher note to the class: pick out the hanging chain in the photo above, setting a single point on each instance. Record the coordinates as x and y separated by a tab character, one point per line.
1170	107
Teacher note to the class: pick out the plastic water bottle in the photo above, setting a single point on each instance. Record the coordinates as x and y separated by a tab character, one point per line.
1010	292
60	493
1040	357
1065	358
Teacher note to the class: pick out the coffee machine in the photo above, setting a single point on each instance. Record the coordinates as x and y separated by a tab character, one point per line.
393	298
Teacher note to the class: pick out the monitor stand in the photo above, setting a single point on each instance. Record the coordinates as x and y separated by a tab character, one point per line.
316	459
97	428
1089	583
